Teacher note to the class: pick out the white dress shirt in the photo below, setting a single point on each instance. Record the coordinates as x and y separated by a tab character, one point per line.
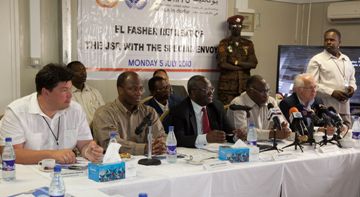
332	73
89	99
258	114
24	122
201	138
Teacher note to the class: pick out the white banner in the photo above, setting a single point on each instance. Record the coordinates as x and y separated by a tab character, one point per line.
180	36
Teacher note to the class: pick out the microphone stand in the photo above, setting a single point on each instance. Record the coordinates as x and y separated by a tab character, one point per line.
274	146
336	136
296	143
149	161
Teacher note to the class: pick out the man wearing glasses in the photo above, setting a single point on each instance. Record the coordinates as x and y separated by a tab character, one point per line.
257	98
198	119
125	115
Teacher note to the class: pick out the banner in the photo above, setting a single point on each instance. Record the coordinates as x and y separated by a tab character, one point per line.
180	36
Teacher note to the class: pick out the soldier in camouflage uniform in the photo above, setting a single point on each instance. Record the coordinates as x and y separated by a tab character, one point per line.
236	57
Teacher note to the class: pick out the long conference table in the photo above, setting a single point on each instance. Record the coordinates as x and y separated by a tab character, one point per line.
310	173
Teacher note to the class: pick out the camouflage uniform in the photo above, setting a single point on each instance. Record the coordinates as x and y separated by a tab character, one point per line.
232	82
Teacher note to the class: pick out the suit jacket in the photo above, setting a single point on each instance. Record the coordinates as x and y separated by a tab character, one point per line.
184	121
173	101
293	101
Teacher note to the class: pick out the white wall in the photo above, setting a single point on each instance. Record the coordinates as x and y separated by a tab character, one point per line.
280	23
9	56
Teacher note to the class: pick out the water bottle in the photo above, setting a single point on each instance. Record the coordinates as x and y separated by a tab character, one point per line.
143	195
8	161
113	135
356	131
171	146
57	187
251	134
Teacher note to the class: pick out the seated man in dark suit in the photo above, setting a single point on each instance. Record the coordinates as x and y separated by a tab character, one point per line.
161	100
303	97
199	119
177	92
160	92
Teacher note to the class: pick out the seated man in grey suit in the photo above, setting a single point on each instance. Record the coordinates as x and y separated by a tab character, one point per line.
199	119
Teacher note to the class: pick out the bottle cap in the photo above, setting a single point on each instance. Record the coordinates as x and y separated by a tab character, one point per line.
143	195
8	139
171	128
113	134
57	168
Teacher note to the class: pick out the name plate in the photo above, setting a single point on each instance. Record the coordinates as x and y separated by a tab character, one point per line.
329	148
214	165
283	156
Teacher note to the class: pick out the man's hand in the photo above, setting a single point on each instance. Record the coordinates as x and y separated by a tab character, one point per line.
240	133
65	156
93	152
283	133
216	136
340	95
329	130
350	91
158	146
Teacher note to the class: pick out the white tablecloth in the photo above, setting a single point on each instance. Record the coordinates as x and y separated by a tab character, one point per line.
308	174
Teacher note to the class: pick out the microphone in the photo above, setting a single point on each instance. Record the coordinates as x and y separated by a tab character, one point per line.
273	114
146	121
332	114
297	124
239	107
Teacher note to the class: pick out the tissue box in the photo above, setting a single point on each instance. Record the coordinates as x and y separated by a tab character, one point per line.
106	172
234	155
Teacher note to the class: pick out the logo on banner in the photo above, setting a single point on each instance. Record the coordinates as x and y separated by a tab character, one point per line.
107	3
139	4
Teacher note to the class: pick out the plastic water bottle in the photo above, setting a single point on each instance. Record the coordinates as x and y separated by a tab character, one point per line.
57	187
113	135
356	131
8	161
251	134
171	146
143	195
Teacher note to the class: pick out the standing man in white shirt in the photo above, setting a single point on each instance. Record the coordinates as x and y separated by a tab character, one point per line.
88	97
47	124
334	74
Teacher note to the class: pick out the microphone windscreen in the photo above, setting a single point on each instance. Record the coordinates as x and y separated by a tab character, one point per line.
292	110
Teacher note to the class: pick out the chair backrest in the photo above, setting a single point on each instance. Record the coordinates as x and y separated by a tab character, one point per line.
145	99
179	90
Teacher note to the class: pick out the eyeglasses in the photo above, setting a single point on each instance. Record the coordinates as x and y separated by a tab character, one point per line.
266	91
165	88
310	88
206	90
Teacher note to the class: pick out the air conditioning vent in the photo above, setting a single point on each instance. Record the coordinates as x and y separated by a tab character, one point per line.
344	12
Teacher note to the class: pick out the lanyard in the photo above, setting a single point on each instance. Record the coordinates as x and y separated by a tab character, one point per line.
52	132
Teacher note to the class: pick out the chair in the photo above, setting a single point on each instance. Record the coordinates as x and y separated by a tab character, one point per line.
144	100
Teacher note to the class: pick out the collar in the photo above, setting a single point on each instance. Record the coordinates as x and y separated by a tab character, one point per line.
250	103
303	104
85	89
161	105
197	108
122	108
34	107
331	56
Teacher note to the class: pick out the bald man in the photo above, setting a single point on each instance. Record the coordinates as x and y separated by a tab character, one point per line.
124	115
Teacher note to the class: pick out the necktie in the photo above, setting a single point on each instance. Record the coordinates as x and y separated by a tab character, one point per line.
205	121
